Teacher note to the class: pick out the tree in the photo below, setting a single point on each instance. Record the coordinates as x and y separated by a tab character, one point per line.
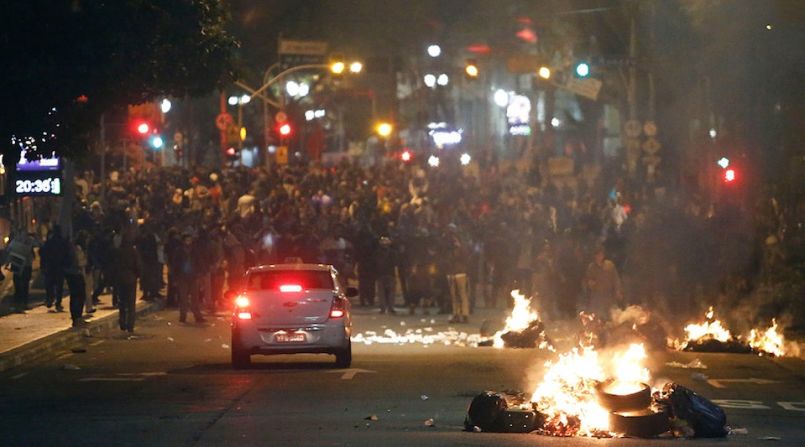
69	61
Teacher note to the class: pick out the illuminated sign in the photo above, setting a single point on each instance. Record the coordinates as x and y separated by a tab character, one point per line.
37	177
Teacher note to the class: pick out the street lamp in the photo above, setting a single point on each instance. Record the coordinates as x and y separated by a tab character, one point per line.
544	72
384	129
165	105
355	67
442	80
433	161
233	100
430	80
434	51
501	98
465	159
337	67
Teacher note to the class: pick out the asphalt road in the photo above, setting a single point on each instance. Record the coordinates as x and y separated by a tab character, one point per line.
172	385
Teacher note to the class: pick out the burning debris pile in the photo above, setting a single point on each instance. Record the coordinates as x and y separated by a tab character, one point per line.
523	329
711	336
584	395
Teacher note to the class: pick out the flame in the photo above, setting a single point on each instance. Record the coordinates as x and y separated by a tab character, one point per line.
521	318
567	395
769	341
711	328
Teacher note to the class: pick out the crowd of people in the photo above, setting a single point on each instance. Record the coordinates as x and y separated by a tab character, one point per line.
449	238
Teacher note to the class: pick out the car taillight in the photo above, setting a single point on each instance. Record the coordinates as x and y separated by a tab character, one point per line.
242	301
339	308
290	288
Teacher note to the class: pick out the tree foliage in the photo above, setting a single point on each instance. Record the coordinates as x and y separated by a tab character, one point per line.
66	62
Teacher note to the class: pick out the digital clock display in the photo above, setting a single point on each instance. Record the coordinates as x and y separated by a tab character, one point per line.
38	184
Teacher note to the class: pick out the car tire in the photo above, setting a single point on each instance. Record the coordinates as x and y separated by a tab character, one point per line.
241	359
343	357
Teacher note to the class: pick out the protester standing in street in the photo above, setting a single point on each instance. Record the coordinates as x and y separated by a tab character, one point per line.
20	256
74	275
385	263
457	276
603	285
187	282
54	259
128	268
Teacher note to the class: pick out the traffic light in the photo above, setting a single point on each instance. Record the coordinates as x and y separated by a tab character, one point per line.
582	69
729	176
142	127
231	153
156	142
471	69
284	129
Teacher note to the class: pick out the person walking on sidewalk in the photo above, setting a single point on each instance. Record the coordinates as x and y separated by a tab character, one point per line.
74	274
20	257
128	268
54	259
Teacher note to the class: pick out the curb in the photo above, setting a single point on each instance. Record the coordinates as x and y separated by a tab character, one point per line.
38	349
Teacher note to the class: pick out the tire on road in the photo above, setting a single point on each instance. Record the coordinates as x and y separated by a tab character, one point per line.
623	402
645	423
343	357
241	359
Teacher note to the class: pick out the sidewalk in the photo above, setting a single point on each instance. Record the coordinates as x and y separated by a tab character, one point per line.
27	337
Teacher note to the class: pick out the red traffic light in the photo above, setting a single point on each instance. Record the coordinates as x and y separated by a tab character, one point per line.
406	156
729	175
143	128
231	151
285	129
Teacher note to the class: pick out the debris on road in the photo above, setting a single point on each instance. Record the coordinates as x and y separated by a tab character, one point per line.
739	431
693	364
412	336
770	438
170	339
523	328
699	377
424	397
429	422
370	418
225	346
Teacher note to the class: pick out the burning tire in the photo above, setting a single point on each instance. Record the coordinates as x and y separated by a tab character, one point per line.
614	399
644	423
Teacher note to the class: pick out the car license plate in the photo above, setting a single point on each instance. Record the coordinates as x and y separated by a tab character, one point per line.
295	337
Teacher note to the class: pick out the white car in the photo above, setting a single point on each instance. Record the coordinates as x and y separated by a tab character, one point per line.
290	309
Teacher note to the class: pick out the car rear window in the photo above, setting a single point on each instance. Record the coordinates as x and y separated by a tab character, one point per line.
307	279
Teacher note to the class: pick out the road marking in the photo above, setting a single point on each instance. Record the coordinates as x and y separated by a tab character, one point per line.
64	356
792	406
742	404
112	379
96	343
349	374
145	374
19	376
719	383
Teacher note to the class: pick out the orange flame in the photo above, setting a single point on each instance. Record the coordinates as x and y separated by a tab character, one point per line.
520	319
710	328
567	395
769	341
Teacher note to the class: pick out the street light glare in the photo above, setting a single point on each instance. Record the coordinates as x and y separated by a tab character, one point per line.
292	87
304	89
157	142
430	80
465	159
433	161
244	99
434	51
544	72
384	129
472	71
337	67
233	100
165	105
355	67
442	80
501	98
